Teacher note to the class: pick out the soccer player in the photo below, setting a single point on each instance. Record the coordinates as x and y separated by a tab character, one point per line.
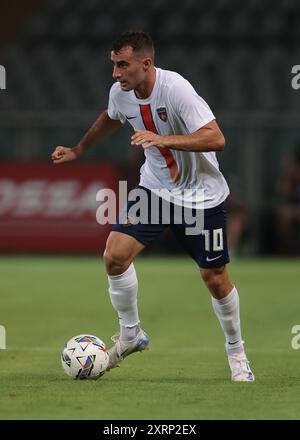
179	135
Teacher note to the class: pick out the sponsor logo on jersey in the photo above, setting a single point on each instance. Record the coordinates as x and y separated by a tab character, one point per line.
162	113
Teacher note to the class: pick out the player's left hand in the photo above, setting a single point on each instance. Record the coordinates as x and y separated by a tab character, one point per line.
147	139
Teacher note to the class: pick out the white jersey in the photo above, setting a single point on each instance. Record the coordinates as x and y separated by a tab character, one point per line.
173	108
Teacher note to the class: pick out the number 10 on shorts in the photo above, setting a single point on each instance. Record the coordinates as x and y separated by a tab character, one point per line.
217	239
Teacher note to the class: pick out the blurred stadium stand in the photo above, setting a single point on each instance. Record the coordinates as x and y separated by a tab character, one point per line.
237	56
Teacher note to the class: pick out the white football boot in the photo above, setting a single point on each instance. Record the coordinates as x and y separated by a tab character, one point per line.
240	368
121	349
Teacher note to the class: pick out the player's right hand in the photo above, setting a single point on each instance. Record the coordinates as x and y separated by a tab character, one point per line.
63	154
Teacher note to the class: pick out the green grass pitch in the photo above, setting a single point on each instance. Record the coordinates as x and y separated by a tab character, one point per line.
185	375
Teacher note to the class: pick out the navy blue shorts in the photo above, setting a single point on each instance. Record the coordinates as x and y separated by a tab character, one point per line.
208	247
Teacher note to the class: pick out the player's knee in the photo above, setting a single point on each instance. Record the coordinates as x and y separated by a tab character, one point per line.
213	278
115	262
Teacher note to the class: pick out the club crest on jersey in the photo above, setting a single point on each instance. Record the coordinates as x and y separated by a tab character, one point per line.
162	113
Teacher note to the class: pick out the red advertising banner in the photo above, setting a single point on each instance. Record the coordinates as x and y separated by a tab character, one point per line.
52	208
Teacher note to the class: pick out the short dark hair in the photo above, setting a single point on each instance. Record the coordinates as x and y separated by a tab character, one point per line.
138	40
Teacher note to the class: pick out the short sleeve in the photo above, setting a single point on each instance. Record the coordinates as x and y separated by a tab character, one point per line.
112	109
189	106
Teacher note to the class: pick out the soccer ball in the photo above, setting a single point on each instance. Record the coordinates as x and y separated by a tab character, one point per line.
85	357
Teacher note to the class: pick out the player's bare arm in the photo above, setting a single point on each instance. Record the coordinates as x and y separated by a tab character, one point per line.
207	138
102	127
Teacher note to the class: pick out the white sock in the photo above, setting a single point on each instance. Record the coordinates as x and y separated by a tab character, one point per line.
228	312
129	333
123	295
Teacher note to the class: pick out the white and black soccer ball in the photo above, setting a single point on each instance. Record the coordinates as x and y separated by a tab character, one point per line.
85	357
